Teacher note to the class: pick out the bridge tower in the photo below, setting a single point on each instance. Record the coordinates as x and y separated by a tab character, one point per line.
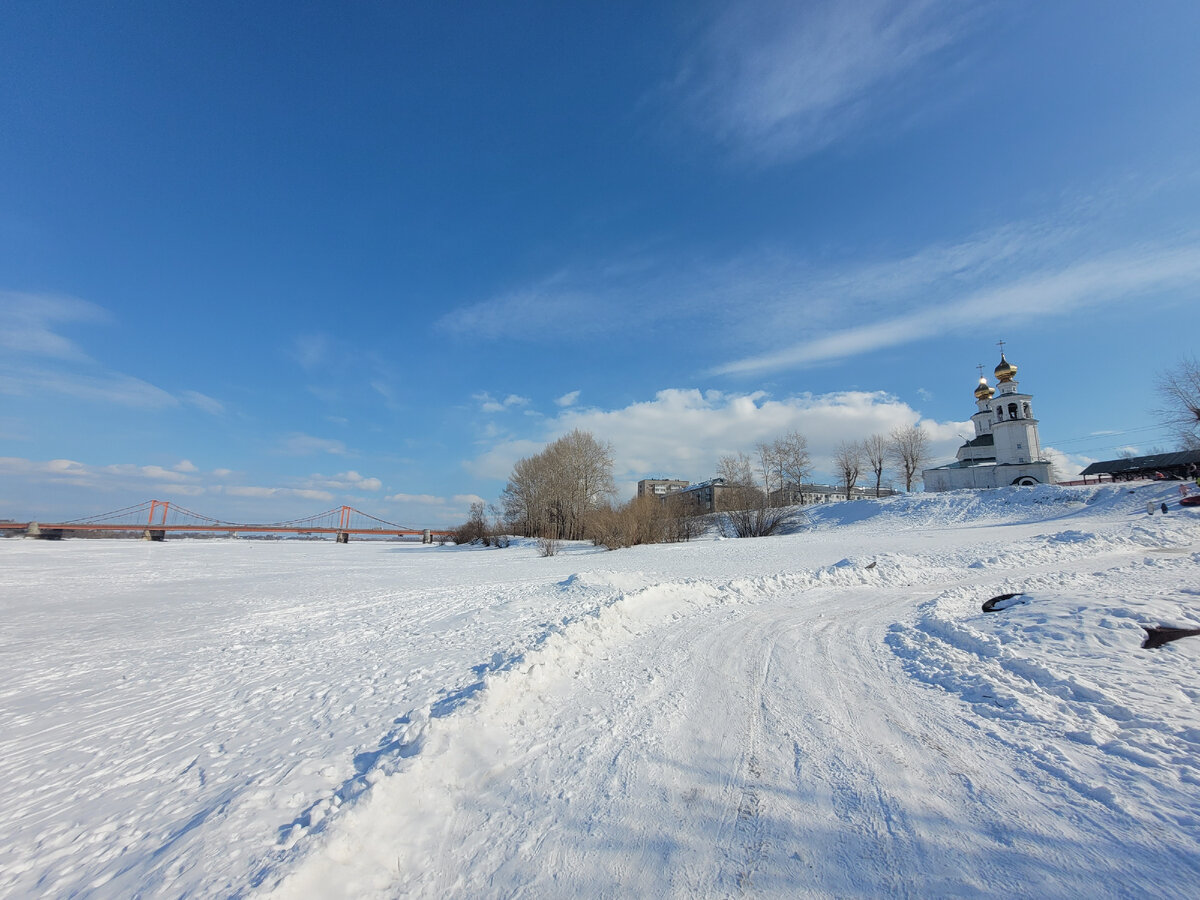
156	534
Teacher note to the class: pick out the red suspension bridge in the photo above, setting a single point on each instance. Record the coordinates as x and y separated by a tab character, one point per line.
157	518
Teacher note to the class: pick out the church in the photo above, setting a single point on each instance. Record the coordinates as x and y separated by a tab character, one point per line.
1006	449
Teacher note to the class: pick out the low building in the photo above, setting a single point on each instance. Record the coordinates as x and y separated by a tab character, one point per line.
705	496
660	487
1182	464
807	494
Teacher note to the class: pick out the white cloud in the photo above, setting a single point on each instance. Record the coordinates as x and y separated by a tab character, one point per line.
568	399
1066	465
682	433
497	462
63	465
778	80
183	490
185	465
120	476
344	481
489	404
156	472
468	499
265	492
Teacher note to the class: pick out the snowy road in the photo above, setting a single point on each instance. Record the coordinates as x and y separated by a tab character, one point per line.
824	714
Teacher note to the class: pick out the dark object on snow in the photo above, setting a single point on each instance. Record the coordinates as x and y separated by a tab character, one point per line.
1190	500
1164	507
1156	637
998	603
871	565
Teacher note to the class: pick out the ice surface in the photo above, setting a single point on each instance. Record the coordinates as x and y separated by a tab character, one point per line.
825	713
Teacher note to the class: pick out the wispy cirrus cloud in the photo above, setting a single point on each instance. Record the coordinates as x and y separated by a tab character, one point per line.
202	402
775	80
310	350
529	313
31	324
37	358
1026	294
300	444
102	387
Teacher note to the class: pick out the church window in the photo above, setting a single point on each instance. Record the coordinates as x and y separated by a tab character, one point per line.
1012	411
1028	414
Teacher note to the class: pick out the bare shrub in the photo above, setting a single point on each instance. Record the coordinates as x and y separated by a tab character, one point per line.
643	520
743	503
547	546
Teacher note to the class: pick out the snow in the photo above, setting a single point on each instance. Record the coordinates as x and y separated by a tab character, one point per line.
823	713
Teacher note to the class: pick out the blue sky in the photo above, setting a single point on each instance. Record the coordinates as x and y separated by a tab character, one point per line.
263	259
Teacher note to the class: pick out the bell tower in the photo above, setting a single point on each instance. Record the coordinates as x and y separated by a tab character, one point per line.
1012	423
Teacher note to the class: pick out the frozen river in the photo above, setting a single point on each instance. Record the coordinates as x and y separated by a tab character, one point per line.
822	713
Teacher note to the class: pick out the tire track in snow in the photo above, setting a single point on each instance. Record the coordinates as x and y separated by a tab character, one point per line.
887	838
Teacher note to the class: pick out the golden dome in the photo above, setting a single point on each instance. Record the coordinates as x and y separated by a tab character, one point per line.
983	392
1005	371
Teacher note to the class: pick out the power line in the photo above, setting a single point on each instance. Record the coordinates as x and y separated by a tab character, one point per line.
1106	435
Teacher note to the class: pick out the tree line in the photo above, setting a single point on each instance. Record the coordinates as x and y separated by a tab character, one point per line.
566	491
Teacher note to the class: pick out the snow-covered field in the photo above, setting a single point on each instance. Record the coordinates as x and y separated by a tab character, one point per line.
826	713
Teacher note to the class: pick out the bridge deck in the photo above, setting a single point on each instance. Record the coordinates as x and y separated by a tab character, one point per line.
257	529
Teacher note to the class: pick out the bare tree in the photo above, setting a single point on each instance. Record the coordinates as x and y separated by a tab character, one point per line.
1179	389
735	469
475	528
783	462
551	493
772	477
848	460
875	453
910	450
